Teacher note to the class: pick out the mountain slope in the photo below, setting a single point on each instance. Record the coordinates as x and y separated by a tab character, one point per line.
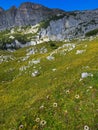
50	86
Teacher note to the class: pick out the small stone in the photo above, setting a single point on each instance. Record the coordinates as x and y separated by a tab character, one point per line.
85	74
35	73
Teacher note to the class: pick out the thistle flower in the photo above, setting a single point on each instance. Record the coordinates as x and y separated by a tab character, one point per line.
67	91
86	127
21	127
55	104
77	96
37	119
43	122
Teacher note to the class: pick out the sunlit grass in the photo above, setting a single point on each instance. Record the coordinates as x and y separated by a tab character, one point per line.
54	100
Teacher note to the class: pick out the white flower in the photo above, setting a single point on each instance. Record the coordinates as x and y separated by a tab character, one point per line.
55	104
43	122
86	127
50	58
35	73
80	51
77	96
67	91
37	119
20	127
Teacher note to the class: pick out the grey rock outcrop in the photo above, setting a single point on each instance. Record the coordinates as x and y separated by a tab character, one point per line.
72	25
57	25
27	14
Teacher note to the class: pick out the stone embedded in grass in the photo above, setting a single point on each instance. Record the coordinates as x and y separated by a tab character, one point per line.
86	127
64	49
31	51
34	62
35	73
85	75
24	58
69	46
50	58
6	58
80	51
23	68
43	50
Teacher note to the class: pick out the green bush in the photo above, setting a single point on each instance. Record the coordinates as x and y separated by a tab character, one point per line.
91	33
53	45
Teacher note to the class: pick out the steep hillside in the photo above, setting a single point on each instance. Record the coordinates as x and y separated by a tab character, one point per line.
48	69
50	86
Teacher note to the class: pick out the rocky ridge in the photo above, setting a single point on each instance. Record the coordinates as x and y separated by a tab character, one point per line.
27	14
31	24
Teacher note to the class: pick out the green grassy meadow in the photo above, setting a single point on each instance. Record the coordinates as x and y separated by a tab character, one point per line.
56	99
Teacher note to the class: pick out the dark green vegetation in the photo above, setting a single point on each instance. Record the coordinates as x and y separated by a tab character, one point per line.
54	100
91	33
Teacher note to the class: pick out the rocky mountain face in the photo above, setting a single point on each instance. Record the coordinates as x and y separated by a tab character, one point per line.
27	14
73	24
45	24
